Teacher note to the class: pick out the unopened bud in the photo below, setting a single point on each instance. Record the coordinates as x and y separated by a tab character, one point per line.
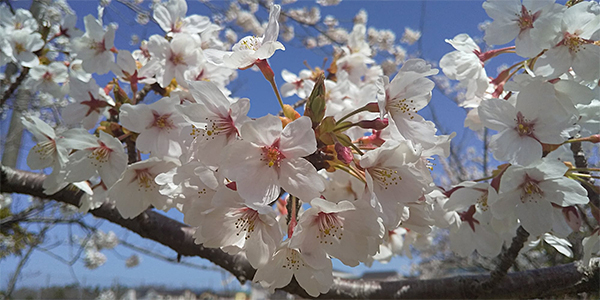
290	113
377	124
372	107
315	105
344	154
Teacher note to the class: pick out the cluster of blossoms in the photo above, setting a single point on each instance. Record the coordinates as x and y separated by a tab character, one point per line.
536	106
350	178
99	241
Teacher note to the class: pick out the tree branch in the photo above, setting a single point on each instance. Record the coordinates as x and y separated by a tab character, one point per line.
13	87
507	259
570	278
581	162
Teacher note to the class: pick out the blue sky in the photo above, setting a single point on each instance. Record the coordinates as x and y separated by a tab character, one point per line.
443	20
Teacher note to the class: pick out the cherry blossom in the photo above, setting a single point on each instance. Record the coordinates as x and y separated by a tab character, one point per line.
103	155
563	246
591	246
23	44
250	49
515	20
22	19
48	151
95	46
536	118
234	226
463	63
393	244
136	190
6	54
191	186
405	95
67	28
216	120
51	151
173	57
349	231
356	55
287	263
159	125
351	180
466	65
171	17
47	77
472	228
128	71
91	102
529	191
300	85
269	158
573	46
395	177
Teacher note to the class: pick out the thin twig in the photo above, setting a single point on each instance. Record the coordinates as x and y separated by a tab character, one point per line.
165	258
14	86
13	281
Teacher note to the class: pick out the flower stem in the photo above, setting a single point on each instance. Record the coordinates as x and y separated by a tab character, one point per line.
274	86
351	171
265	68
359	110
343	127
356	149
484	178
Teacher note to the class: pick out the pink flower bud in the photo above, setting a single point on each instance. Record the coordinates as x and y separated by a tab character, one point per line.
372	107
377	124
343	153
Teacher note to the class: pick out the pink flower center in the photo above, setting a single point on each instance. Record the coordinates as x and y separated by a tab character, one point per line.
385	177
177	25
20	48
162	122
219	126
95	105
249	43
298	84
483	201
573	42
330	226
47	76
526	19
524	126
468	216
531	190
246	221
98	46
272	155
177	59
402	106
145	180
293	261
45	149
100	155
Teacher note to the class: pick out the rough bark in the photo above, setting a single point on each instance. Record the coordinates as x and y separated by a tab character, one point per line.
554	281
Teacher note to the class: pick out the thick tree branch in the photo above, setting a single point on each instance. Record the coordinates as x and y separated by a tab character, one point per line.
570	278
